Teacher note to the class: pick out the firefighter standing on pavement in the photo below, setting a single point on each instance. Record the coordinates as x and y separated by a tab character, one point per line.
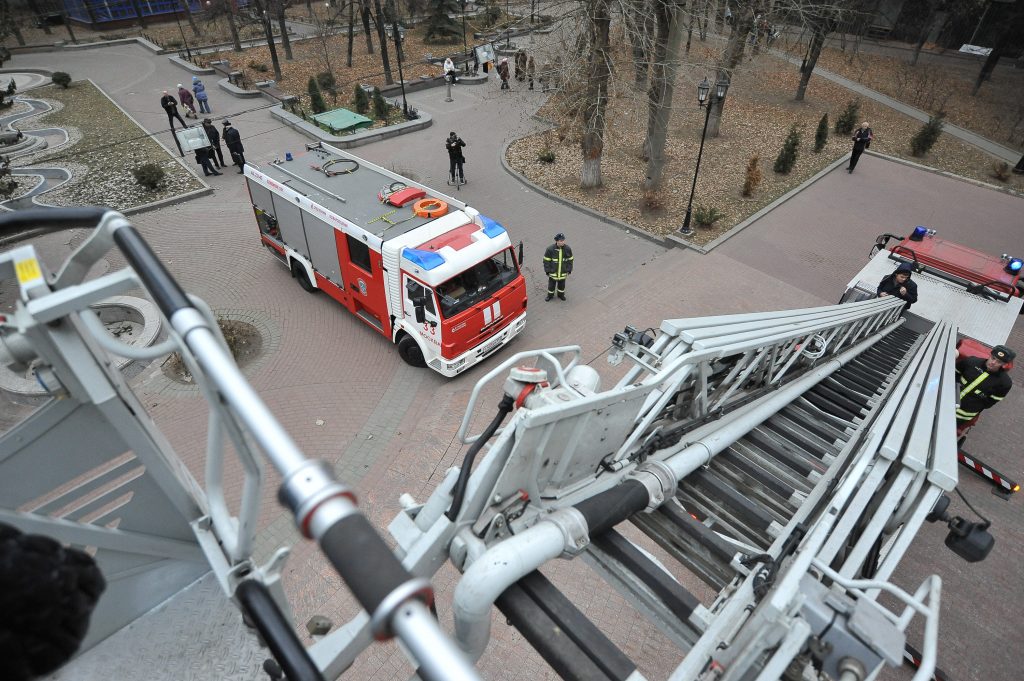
557	265
981	384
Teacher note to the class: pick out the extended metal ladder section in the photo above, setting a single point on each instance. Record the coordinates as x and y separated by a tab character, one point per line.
786	459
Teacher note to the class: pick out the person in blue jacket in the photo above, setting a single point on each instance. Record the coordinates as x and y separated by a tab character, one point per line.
199	90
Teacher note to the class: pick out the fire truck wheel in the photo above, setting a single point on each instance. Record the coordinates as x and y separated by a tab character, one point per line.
299	272
409	351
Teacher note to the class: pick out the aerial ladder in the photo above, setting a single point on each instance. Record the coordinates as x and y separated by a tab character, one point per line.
785	459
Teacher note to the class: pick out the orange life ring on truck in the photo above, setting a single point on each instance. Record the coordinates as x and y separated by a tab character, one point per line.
429	208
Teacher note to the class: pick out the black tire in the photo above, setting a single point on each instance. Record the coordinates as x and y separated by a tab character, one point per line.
299	272
409	351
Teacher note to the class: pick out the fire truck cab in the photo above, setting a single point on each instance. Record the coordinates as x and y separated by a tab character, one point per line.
424	269
980	293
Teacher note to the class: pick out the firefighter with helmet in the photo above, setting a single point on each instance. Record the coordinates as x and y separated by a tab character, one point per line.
557	265
981	384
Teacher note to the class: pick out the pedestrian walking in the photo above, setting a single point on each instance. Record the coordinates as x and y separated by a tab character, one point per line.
531	70
558	266
203	155
520	65
170	106
199	90
503	73
233	141
861	141
187	101
213	135
456	159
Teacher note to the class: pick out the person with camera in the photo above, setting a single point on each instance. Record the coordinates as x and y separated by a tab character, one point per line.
454	145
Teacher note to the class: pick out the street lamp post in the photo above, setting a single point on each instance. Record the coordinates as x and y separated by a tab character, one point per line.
399	36
465	45
508	26
177	20
702	100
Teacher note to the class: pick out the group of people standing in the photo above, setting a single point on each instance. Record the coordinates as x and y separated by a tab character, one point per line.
211	158
188	99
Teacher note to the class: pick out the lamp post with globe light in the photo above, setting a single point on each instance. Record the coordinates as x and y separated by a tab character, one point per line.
703	90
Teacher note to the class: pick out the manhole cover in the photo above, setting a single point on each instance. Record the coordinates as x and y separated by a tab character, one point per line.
244	340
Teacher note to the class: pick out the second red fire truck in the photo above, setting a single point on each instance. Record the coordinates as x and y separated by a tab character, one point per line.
427	271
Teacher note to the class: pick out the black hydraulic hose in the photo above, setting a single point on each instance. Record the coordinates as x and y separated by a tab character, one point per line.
459	492
277	632
161	284
609	508
51	219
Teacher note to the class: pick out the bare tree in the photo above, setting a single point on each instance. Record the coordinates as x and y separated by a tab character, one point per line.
639	22
265	18
663	78
379	20
733	54
364	9
282	26
183	4
351	31
599	72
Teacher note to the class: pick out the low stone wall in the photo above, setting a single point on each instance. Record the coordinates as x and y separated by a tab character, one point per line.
357	139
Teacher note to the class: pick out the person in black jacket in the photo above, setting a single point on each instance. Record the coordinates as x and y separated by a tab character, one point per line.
233	141
454	145
558	266
170	107
982	383
213	135
899	284
861	140
203	155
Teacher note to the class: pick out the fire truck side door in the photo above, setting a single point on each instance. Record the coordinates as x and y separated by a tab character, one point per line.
415	292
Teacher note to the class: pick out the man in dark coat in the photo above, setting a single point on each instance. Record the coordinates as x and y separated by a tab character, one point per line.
203	155
233	141
170	106
454	145
213	135
899	284
982	383
861	140
558	266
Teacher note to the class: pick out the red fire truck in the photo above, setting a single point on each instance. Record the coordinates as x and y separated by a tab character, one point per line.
981	293
427	271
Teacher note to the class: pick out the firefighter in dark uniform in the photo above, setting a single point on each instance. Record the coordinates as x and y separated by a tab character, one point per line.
982	383
557	265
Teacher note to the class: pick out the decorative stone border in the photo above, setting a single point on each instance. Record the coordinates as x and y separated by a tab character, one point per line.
229	87
354	140
189	66
139	310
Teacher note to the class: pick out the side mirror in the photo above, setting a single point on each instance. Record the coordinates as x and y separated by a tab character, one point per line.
419	309
520	253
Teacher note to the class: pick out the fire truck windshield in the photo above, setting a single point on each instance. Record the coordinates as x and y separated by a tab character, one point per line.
477	283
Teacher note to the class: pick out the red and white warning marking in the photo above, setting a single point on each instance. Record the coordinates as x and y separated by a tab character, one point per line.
986	471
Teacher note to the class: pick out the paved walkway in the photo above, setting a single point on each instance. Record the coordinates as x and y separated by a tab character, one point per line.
1000	151
347	398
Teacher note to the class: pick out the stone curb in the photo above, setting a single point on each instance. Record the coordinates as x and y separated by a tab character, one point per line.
946	173
231	89
349	141
767	209
170	200
26	390
579	207
189	66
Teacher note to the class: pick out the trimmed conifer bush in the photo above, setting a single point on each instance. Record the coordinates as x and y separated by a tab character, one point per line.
790	150
847	120
316	100
821	134
927	136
